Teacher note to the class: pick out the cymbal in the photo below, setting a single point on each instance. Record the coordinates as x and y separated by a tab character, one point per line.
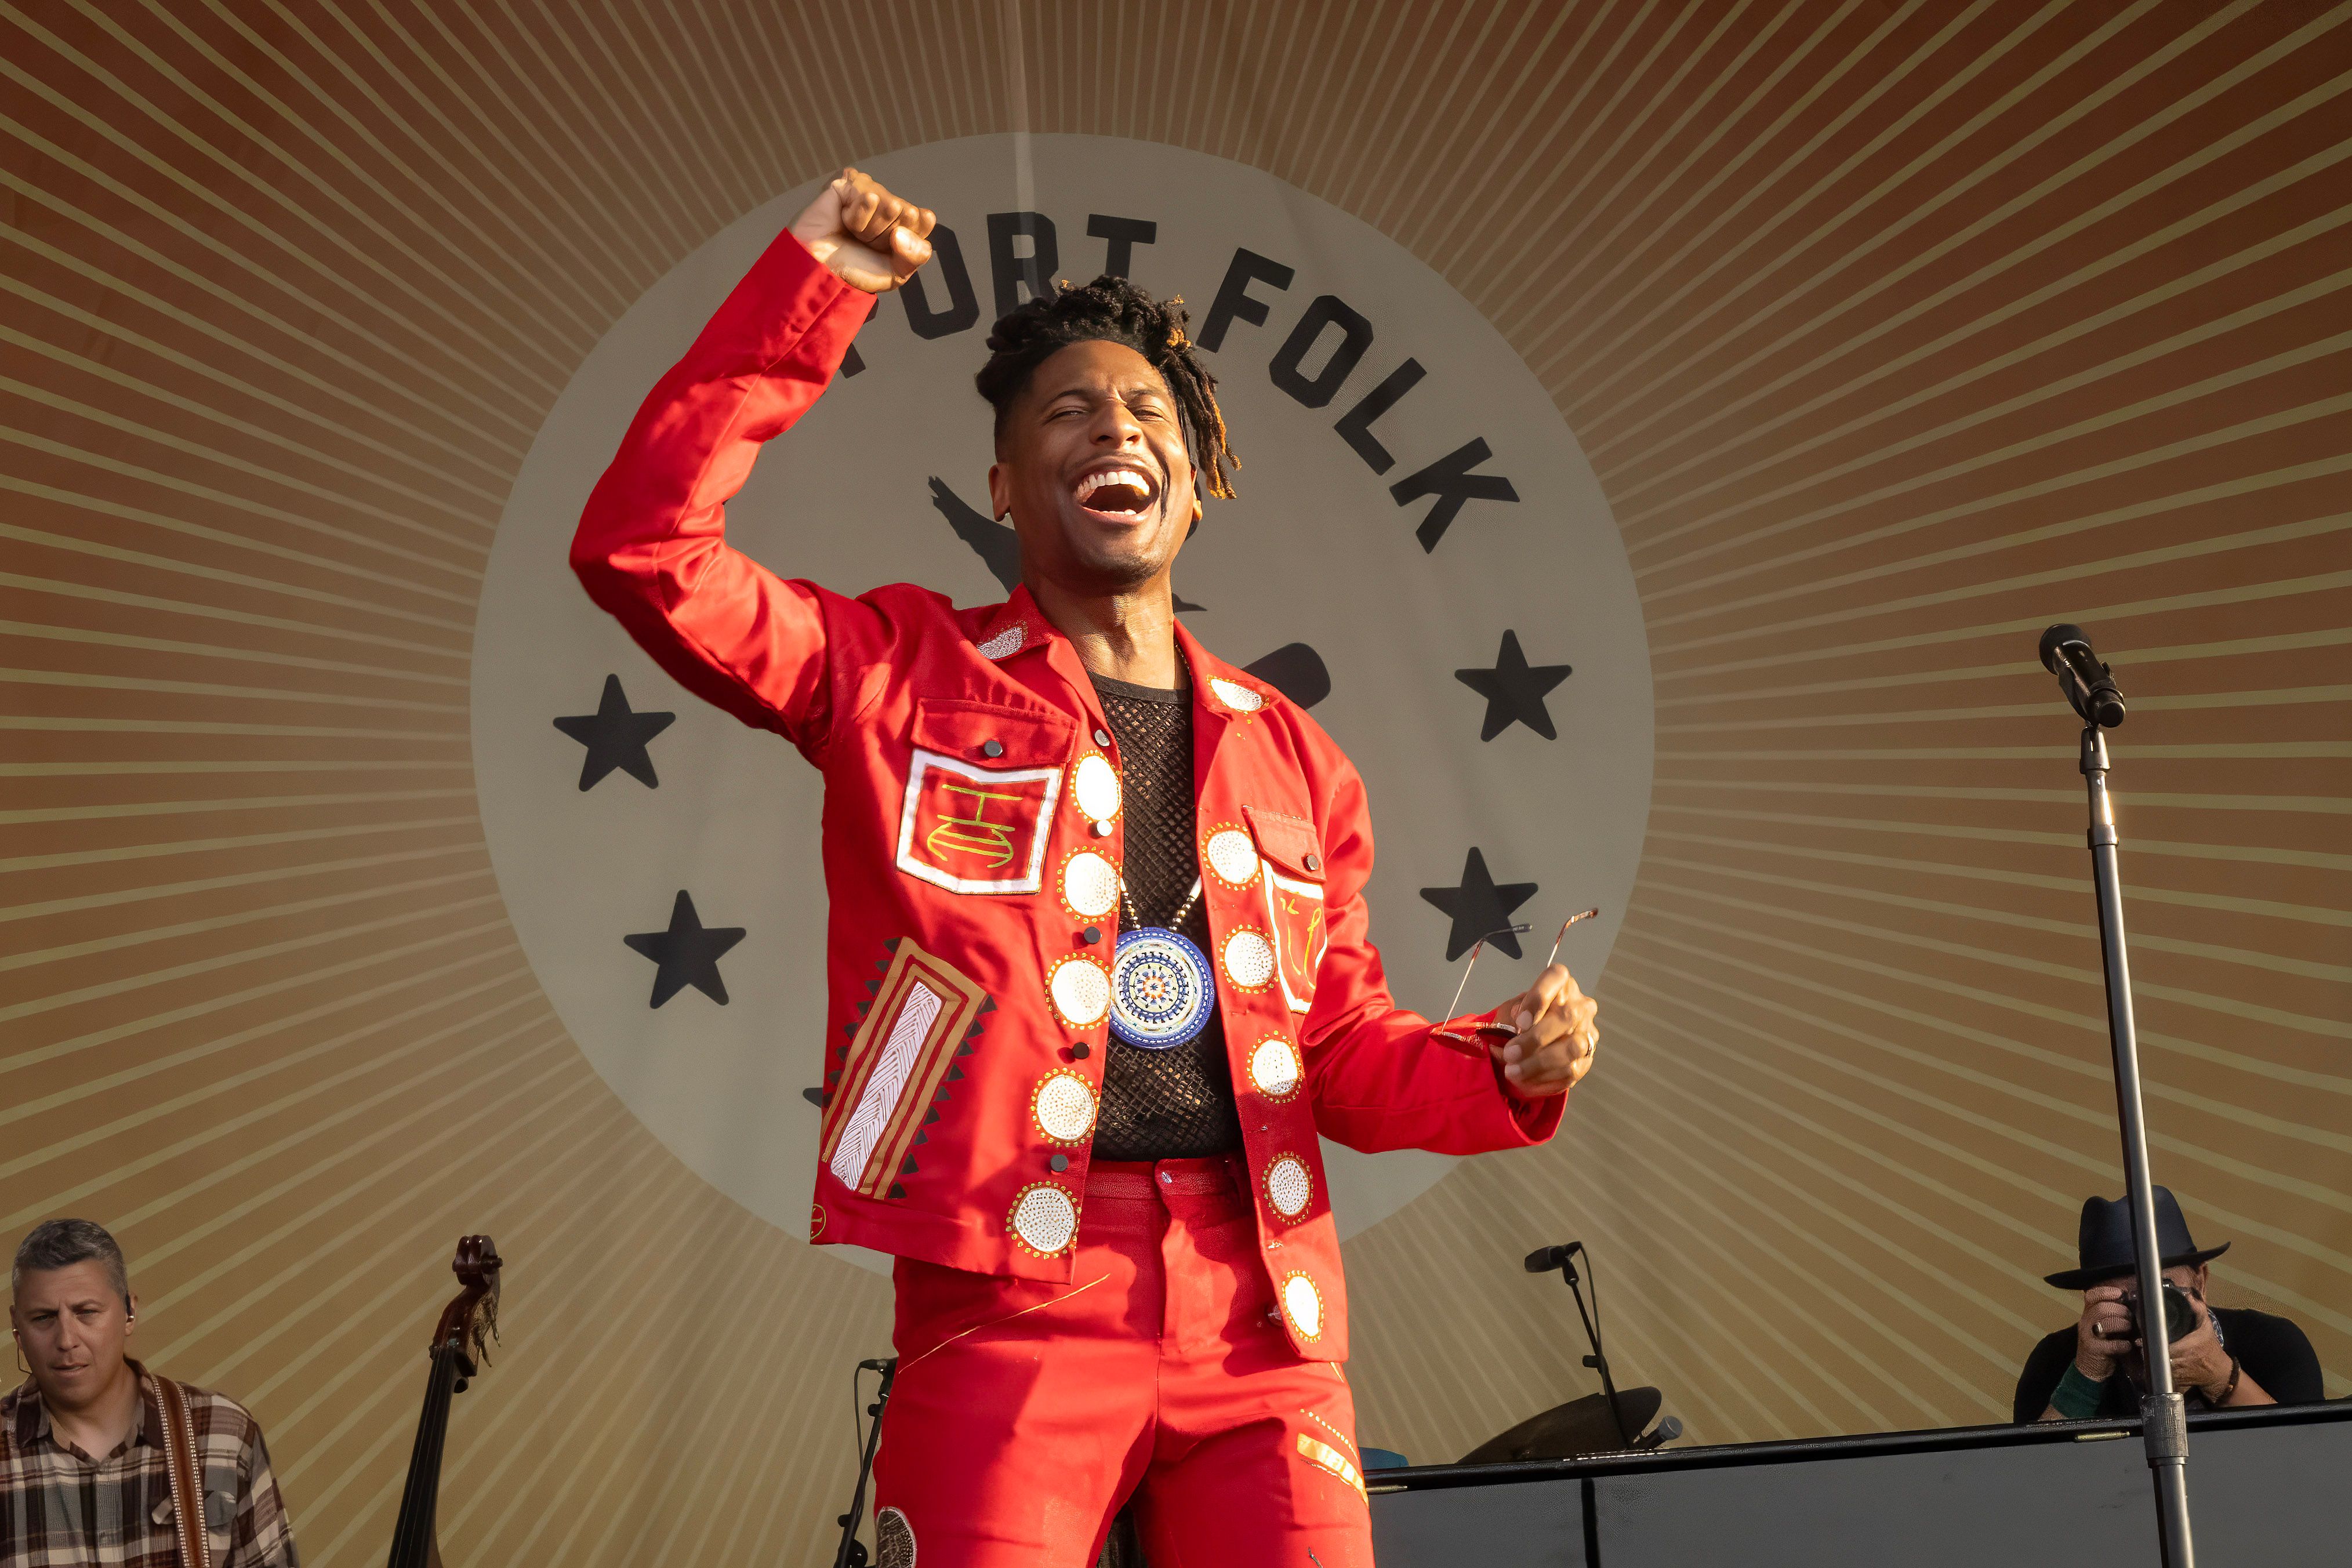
1568	1431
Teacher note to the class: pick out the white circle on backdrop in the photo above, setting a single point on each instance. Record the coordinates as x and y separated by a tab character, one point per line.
1316	552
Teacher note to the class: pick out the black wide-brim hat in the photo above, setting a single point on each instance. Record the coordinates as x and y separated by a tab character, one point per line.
2105	1247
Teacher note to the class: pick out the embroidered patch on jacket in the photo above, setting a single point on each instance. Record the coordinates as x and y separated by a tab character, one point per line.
894	1538
1230	855
1288	1187
1321	1455
816	1221
1004	645
976	830
1235	696
1249	959
1274	1068
1080	989
1089	885
897	1064
1063	1105
1044	1219
1302	1304
1294	911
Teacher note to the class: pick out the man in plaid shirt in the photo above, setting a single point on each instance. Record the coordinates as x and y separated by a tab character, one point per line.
83	1480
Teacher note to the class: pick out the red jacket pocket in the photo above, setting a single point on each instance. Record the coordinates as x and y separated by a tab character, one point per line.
1295	911
991	734
981	785
1290	842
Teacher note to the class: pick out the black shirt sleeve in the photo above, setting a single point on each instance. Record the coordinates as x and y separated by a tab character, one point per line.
2043	1369
2274	1352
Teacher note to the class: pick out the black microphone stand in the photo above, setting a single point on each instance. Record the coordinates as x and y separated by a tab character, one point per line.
2164	1419
1561	1258
851	1554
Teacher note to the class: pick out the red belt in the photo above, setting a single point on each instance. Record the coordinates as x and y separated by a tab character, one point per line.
1147	1181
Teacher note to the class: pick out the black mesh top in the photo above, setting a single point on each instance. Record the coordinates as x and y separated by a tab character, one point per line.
1177	1103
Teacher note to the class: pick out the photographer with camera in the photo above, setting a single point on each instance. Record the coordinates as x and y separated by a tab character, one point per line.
2221	1355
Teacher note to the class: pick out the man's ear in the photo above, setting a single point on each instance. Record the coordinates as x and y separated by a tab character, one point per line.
1000	491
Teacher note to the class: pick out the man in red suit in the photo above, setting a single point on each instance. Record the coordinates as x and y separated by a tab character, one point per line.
1098	968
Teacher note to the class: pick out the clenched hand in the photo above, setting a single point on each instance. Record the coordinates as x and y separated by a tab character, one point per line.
870	239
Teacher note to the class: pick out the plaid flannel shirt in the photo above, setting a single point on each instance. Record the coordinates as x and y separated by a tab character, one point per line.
59	1509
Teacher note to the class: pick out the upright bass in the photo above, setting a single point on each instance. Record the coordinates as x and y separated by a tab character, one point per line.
460	1349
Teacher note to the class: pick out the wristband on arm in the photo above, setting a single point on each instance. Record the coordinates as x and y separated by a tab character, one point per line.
2076	1397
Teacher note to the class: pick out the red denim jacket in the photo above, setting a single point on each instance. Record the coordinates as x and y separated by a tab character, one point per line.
971	841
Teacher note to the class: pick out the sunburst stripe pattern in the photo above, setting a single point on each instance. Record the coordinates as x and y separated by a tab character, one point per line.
1892	331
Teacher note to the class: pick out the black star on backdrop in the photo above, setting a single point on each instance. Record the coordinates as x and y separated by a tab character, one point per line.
1478	907
1297	671
616	738
687	952
1514	691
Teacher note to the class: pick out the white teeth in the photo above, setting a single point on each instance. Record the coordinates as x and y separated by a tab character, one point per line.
1093	482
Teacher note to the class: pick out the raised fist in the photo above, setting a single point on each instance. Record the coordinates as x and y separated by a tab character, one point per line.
870	239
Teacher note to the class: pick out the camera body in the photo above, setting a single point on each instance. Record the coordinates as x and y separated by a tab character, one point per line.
2179	1316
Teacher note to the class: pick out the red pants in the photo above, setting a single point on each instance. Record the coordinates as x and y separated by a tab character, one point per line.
1026	1413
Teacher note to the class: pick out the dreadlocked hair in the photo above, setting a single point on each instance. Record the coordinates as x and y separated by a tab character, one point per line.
1112	309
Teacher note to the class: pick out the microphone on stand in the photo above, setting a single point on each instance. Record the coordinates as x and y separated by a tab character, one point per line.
1543	1260
2089	685
851	1553
2090	689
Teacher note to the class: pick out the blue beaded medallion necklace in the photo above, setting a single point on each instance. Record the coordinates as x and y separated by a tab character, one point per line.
1161	988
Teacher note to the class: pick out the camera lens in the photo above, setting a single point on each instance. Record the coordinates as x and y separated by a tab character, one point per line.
2179	1317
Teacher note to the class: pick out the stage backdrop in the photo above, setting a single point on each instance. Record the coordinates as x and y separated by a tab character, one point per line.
1665	430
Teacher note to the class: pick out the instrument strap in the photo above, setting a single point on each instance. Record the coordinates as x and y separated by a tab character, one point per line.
186	1477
